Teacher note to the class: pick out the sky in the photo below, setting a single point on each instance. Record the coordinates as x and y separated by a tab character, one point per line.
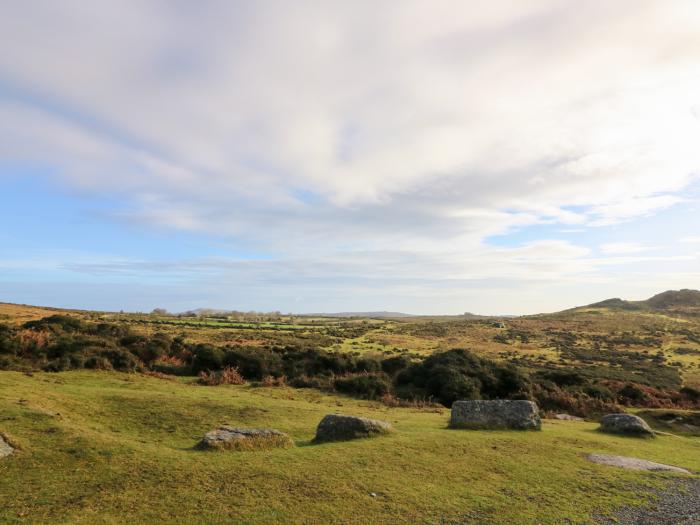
431	157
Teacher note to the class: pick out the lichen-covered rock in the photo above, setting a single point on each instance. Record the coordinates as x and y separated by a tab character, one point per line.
5	448
495	414
335	427
626	424
229	438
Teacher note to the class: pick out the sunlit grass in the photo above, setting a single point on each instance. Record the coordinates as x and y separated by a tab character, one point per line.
117	448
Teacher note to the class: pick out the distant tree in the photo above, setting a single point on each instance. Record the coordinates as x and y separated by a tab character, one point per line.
159	311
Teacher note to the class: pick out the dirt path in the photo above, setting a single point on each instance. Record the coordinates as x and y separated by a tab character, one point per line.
678	504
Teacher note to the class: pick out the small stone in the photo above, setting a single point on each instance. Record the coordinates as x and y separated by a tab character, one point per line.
625	424
229	438
5	448
336	427
495	414
567	417
373	494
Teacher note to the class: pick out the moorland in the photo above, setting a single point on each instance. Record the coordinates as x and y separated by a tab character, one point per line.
105	409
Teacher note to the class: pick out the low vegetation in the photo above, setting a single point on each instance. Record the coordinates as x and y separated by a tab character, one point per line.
566	362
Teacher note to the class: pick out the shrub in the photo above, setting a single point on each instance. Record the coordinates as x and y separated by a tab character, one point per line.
207	357
274	381
632	392
368	386
305	381
448	385
557	399
96	362
367	364
599	392
692	393
227	376
256	363
111	330
459	374
511	383
58	365
121	359
171	365
148	349
394	365
564	377
8	343
56	323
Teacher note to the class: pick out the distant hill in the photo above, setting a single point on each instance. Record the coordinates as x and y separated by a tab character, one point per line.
668	300
380	315
675	298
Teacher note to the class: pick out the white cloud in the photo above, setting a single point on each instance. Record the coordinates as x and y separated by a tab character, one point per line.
364	104
326	131
625	247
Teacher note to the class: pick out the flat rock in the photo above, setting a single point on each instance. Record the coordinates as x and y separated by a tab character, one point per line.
633	463
336	427
567	417
5	448
495	414
625	424
229	438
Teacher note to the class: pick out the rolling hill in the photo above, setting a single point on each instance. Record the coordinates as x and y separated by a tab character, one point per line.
670	300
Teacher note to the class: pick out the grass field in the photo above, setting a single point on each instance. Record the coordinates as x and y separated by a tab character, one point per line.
107	447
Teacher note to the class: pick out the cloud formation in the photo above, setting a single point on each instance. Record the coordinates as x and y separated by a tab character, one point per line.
334	133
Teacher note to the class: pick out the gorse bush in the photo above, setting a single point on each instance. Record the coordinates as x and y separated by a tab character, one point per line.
56	324
365	385
564	377
256	363
691	393
207	357
632	392
393	365
459	374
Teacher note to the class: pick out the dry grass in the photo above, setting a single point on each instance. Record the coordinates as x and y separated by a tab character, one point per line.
20	313
423	405
227	376
274	381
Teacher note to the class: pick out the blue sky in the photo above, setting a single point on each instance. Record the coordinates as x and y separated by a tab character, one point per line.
331	157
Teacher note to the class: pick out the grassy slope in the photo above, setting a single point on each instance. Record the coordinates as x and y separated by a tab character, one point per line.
19	313
103	447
